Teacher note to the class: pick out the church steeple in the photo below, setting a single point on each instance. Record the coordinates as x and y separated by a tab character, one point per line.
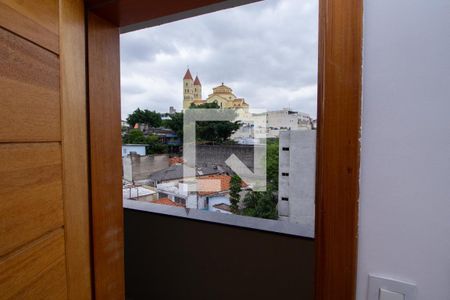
197	89
188	89
187	75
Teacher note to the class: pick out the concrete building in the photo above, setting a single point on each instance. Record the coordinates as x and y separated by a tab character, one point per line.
136	148
296	181
286	119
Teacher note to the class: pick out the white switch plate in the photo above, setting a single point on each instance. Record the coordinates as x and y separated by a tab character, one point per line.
378	283
389	295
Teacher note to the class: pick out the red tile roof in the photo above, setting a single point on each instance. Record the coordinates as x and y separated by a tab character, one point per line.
188	75
212	184
197	81
167	201
175	160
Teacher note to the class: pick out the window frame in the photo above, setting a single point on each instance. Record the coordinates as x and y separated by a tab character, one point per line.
339	109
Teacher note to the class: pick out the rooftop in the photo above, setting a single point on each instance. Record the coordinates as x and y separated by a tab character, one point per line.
197	81
132	192
212	184
188	75
176	172
167	201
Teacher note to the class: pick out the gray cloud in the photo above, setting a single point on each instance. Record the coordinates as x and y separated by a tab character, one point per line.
266	52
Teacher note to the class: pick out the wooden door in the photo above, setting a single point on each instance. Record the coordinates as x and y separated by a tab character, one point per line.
44	208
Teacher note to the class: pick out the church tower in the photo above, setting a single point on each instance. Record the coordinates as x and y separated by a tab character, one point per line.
188	89
197	89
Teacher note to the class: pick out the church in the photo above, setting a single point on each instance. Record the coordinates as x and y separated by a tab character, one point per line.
222	94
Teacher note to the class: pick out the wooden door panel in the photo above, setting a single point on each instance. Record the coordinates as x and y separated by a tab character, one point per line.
51	285
44	193
29	91
30	192
36	21
22	268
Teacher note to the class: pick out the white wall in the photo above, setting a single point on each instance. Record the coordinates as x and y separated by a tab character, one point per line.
405	158
126	149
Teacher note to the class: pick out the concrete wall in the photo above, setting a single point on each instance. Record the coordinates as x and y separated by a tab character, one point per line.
299	187
137	167
404	229
218	154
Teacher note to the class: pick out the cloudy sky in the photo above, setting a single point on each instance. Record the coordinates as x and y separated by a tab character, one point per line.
265	51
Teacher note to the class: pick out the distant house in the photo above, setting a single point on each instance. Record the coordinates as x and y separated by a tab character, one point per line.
139	193
167	201
212	193
166	136
286	119
137	148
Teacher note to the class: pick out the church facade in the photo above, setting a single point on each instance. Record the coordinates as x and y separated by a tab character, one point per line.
222	94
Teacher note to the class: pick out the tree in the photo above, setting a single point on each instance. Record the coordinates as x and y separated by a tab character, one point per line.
134	136
155	145
206	131
176	124
272	163
261	205
151	118
235	189
157	148
214	131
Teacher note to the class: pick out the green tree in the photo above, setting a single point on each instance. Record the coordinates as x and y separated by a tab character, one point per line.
157	148
151	118
155	145
206	131
272	163
235	189
214	131
176	124
261	205
134	136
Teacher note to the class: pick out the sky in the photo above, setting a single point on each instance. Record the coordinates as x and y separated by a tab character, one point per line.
265	51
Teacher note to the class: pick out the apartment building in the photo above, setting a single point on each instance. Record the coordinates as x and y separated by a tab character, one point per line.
296	179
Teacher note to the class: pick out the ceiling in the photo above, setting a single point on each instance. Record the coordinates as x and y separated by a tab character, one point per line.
131	15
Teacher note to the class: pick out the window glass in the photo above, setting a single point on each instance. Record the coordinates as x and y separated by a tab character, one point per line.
219	116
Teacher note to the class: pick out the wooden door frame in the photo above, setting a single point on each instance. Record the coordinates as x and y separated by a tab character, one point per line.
338	147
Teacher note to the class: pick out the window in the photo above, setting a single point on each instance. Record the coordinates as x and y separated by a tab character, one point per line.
232	165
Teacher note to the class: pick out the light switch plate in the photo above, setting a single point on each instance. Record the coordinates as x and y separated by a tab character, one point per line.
378	283
389	295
